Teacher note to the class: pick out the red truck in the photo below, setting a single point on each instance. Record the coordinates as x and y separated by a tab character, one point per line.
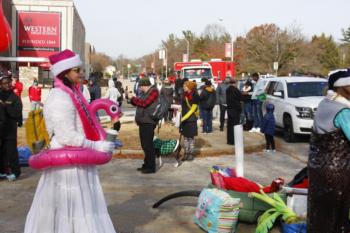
214	69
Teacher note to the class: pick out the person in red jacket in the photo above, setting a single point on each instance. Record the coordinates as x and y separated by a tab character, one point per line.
17	86
35	95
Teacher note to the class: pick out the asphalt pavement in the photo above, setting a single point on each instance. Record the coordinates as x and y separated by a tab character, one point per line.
130	194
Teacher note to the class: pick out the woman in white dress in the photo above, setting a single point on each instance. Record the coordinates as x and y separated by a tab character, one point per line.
69	199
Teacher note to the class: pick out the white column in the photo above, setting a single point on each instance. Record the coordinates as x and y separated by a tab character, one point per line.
239	150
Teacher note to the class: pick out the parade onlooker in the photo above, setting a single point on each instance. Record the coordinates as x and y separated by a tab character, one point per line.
247	101
234	109
259	89
146	104
113	95
207	99
168	92
329	159
179	83
17	86
112	92
12	105
2	126
69	198
85	90
120	88
221	97
188	126
94	89
268	128
34	93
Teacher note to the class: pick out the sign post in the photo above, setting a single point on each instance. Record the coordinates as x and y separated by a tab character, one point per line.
129	66
228	50
275	67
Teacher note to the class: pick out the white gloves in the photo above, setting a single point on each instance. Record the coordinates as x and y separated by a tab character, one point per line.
103	146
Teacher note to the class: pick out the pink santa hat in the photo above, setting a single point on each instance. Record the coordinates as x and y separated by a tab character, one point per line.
64	60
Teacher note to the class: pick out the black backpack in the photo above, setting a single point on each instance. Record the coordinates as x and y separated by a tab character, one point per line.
211	101
160	109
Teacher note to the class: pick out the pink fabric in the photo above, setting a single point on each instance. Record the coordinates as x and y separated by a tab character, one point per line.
68	156
92	129
61	56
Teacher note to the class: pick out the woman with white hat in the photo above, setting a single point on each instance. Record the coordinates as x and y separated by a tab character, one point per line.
69	198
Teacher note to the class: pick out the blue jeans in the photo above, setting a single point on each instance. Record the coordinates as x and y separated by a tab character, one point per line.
207	120
248	110
257	113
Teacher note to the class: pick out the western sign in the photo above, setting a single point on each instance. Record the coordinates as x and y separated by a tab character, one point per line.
38	33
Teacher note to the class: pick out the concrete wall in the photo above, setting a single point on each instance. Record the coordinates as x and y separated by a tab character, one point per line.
78	43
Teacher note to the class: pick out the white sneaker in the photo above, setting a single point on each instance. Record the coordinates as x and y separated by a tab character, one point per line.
257	130
252	130
11	177
266	151
273	151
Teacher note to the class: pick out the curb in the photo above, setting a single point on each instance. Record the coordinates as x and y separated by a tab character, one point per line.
201	153
288	151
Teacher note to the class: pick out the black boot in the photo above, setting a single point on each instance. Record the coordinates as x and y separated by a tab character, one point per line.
189	157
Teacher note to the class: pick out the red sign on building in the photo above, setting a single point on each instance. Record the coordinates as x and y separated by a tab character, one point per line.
38	33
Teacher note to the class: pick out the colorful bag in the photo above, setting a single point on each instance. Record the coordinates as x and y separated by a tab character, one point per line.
294	228
23	155
165	147
216	211
36	133
261	97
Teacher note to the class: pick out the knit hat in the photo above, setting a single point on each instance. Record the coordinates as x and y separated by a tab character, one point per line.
64	60
144	82
338	78
190	85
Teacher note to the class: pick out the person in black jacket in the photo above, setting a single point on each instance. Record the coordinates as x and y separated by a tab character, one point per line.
12	105
146	105
2	124
207	103
221	97
189	111
94	88
234	109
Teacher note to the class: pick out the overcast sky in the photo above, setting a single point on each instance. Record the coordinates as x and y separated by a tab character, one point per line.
137	27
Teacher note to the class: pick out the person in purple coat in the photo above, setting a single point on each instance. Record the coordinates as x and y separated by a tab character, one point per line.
268	128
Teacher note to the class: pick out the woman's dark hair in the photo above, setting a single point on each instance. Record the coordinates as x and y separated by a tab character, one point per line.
65	80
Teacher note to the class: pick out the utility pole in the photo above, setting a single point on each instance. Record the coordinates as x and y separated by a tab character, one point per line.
188	49
166	61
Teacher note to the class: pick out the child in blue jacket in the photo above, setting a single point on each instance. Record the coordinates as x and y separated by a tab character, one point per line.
268	128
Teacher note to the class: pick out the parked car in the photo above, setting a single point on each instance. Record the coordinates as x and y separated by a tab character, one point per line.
296	100
134	77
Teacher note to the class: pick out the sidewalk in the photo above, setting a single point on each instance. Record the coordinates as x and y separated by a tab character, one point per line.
253	142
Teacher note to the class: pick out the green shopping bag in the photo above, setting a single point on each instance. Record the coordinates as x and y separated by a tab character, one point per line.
261	97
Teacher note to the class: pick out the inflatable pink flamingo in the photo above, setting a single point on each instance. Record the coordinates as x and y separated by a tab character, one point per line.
112	109
78	155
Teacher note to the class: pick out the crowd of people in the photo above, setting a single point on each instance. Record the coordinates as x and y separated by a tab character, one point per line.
196	101
328	204
11	110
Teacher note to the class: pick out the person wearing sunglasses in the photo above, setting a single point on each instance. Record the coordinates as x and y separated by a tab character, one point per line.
70	198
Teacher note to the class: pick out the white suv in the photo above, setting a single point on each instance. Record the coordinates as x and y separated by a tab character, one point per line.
296	100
